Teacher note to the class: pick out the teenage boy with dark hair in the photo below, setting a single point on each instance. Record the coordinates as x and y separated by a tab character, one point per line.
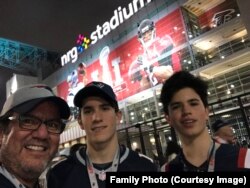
185	104
99	117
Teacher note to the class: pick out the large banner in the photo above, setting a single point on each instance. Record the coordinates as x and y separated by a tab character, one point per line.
144	61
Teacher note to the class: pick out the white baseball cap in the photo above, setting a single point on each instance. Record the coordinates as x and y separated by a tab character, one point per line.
28	97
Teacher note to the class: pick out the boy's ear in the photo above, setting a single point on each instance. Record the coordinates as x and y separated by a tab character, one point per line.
119	117
168	119
79	120
207	112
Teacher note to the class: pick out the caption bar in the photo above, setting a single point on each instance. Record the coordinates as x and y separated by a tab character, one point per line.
162	178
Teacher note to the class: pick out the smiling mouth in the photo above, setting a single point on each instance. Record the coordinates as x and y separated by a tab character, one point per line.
188	122
35	148
97	129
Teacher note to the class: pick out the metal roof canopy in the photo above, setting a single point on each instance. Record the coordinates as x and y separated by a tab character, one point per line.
21	57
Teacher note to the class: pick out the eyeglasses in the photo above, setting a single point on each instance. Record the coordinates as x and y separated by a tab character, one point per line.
55	126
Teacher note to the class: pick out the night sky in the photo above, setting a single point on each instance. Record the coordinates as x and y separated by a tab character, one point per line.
51	25
54	25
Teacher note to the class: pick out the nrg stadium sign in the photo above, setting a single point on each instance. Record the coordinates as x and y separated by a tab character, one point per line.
120	15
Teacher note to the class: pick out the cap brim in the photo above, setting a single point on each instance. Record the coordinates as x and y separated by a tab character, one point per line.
88	92
30	105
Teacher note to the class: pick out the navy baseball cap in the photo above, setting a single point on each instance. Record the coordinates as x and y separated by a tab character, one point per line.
218	124
96	89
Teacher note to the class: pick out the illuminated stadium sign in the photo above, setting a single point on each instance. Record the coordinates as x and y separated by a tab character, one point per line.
120	15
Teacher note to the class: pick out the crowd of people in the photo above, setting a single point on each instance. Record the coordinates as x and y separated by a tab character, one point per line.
33	118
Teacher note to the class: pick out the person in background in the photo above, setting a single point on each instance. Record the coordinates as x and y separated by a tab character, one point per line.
138	150
73	149
185	103
31	122
223	132
172	151
99	117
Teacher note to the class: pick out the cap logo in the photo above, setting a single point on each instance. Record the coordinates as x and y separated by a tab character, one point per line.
100	85
97	84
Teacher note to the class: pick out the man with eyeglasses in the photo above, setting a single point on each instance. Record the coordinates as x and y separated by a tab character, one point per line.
31	122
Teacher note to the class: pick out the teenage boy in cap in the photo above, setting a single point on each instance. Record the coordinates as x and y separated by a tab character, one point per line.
185	104
99	116
223	132
32	120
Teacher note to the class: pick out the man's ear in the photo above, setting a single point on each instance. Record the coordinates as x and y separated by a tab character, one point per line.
1	137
